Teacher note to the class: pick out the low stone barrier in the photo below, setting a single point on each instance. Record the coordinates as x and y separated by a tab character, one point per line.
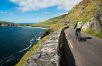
46	54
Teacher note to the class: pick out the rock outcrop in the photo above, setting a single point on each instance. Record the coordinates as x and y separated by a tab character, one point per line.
46	54
95	24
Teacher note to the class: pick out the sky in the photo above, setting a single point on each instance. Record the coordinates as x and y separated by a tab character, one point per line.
33	11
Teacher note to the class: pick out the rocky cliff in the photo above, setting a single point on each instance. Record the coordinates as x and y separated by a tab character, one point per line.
95	24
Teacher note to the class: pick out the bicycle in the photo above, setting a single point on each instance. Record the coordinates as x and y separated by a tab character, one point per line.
78	34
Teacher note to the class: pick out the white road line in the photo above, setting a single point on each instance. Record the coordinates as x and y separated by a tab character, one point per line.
70	44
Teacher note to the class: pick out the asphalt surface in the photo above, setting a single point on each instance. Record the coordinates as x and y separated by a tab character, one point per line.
87	52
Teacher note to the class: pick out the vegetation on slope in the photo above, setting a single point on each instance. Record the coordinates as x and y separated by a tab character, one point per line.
99	35
53	23
85	11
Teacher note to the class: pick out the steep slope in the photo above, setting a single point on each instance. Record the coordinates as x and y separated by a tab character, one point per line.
87	11
90	13
84	11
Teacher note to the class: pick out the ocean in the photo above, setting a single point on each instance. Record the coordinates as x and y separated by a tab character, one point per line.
15	42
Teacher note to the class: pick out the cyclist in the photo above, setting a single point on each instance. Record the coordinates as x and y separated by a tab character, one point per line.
78	27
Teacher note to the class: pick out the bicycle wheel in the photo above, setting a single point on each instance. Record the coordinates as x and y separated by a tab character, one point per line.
79	35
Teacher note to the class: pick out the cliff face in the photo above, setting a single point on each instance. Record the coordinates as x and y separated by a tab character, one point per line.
89	12
95	24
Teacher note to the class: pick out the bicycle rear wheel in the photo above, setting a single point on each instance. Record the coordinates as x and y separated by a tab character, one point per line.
78	35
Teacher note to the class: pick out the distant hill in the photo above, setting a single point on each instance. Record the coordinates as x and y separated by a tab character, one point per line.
51	23
5	23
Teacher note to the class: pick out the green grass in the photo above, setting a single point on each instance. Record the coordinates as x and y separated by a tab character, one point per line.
99	35
84	11
50	22
93	33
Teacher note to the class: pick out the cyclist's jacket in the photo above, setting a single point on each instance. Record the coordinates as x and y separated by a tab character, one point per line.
79	25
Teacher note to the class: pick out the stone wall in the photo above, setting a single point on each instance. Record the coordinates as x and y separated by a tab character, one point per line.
46	54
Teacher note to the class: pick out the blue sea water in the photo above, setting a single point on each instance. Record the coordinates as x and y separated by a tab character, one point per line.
15	42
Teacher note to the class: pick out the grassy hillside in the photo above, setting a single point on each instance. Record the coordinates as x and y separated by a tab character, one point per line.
53	23
85	11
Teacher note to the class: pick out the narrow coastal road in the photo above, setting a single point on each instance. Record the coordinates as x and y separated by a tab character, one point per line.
87	52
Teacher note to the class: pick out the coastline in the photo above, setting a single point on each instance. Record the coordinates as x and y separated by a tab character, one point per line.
16	31
41	27
33	48
53	37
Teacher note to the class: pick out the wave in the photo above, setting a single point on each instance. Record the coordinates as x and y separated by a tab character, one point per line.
12	56
9	58
6	59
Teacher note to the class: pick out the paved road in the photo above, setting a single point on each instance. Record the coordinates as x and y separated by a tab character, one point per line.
86	53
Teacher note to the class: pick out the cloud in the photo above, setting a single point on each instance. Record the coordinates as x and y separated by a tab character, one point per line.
33	5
